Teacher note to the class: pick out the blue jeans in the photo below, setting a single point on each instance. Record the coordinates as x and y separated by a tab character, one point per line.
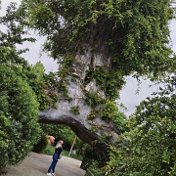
53	164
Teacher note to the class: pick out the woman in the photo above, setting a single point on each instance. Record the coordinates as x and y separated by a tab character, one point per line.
56	155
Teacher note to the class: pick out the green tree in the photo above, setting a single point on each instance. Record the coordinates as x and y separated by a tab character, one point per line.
97	43
148	148
21	93
44	85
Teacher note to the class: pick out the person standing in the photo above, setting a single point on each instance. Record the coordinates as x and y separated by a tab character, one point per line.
56	156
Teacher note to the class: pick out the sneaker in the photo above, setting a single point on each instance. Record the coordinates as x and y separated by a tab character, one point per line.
49	174
53	174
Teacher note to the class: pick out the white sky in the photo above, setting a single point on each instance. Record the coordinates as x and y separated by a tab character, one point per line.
128	94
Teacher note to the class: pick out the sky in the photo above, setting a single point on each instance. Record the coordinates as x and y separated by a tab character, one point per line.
130	97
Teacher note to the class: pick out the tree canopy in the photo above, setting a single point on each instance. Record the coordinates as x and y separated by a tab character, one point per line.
134	34
96	43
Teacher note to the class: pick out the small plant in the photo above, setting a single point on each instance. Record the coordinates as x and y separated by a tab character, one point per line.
49	150
93	99
75	110
91	116
94	170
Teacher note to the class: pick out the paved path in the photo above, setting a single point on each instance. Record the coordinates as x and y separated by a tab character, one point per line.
37	165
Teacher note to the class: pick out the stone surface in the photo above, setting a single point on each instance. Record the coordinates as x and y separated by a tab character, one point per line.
76	91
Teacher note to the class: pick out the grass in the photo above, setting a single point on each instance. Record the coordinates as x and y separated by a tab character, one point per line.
49	150
75	156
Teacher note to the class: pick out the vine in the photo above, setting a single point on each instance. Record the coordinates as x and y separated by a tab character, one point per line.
93	99
64	71
75	110
109	82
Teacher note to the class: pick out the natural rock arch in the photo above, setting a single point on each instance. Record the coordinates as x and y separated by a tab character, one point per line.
80	123
98	43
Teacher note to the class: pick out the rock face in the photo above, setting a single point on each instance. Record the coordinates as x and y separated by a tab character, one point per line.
76	91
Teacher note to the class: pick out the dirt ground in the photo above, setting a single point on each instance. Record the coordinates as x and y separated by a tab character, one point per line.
37	165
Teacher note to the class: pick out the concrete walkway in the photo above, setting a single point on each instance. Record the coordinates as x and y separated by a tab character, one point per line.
37	165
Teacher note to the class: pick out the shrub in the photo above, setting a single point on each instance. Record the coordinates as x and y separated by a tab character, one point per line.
94	170
19	129
148	148
49	150
41	145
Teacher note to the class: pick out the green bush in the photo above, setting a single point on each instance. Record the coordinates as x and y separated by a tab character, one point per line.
94	170
49	150
19	129
148	148
42	144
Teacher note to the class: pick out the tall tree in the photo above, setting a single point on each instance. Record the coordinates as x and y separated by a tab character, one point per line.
97	43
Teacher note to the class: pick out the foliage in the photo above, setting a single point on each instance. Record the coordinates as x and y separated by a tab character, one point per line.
132	37
94	170
75	110
49	150
19	105
19	129
107	111
123	32
127	30
64	71
93	99
111	112
59	131
15	32
109	82
92	115
10	56
148	148
66	65
41	144
44	86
